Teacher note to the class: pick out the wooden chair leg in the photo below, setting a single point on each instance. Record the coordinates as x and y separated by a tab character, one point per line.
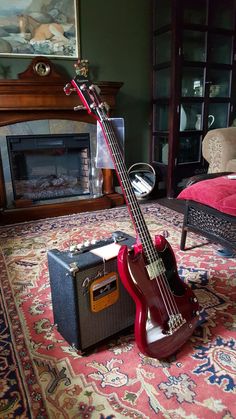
183	238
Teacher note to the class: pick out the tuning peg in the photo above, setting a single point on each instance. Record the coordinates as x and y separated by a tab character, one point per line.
104	105
79	108
68	89
96	88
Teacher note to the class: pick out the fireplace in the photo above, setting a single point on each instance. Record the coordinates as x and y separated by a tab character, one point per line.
45	167
44	142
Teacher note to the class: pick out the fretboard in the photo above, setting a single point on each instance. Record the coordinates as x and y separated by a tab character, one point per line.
128	191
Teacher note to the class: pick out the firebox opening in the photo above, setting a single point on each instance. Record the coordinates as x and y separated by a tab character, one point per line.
49	166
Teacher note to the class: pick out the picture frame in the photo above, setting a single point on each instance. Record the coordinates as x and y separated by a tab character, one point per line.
31	28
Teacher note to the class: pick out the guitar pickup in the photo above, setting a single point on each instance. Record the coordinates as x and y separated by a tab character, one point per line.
155	268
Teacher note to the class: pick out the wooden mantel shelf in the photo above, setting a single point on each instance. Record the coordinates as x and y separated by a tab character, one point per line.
35	97
31	99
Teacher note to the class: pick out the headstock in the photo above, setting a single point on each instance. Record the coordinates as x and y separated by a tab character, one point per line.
89	93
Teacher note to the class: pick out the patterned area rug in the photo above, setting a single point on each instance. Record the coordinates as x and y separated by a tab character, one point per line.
41	376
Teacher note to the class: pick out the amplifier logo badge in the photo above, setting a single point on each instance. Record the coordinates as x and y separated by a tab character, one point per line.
104	292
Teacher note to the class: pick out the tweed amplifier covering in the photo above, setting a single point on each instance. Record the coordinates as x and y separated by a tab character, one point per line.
82	323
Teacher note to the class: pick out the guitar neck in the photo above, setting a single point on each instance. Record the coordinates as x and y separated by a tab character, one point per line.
89	95
128	191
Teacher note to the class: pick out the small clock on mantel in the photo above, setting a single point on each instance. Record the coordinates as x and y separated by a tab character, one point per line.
41	67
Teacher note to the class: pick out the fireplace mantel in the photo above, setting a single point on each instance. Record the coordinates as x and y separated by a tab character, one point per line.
35	97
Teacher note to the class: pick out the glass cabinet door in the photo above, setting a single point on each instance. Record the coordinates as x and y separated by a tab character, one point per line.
220	49
161	148
163	48
195	13
162	83
194	79
189	149
192	83
191	115
161	117
218	114
222	15
220	81
194	45
162	14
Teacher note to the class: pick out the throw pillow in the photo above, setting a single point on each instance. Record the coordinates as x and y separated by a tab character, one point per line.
219	193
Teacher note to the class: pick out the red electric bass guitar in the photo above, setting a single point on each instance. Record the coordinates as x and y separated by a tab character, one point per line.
167	310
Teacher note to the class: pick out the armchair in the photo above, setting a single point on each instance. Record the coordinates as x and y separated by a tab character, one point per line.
210	199
219	150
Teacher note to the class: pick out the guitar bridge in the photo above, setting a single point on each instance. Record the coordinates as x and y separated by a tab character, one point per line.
155	332
155	268
175	322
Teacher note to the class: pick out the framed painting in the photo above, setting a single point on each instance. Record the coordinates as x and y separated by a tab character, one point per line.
39	27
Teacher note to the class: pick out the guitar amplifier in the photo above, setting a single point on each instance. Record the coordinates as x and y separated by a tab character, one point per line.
89	300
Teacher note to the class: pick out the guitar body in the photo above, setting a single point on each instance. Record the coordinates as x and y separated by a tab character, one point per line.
150	308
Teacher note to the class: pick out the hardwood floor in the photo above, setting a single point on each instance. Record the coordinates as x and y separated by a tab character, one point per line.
172	203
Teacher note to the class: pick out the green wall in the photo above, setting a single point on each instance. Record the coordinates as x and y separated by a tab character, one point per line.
115	38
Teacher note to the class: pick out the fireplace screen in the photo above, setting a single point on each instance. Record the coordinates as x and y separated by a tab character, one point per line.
49	166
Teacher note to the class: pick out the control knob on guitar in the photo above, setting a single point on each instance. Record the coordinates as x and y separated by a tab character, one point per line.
167	310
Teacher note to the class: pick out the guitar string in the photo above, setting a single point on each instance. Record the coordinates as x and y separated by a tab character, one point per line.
151	252
115	151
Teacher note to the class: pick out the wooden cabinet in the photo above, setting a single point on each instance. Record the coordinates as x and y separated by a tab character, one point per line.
193	82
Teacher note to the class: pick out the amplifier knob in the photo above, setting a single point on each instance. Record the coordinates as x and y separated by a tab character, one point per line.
72	248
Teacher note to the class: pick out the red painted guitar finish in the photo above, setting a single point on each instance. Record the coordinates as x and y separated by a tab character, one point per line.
166	308
147	297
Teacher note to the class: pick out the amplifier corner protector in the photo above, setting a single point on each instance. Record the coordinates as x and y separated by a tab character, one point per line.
73	268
